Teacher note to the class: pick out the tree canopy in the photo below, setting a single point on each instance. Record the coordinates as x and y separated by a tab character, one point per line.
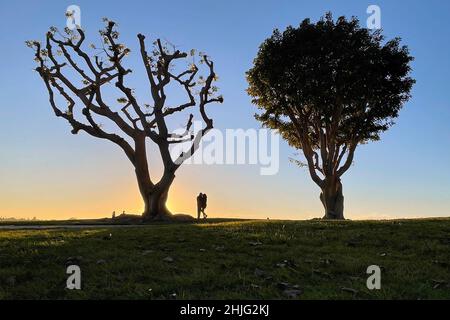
329	86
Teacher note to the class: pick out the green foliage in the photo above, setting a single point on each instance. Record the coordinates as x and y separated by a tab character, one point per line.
319	68
122	100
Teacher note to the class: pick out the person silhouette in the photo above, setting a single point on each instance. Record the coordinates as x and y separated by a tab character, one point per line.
204	203
199	205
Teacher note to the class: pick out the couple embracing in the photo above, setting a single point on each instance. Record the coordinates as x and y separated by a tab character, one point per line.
201	205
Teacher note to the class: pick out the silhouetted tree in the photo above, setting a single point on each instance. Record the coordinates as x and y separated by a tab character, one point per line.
137	122
328	87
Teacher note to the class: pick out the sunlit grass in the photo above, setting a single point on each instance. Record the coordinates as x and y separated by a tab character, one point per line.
219	260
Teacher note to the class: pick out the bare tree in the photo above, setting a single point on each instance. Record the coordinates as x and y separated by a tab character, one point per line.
135	123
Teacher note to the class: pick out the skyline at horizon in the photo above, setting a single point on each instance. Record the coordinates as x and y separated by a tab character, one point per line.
48	173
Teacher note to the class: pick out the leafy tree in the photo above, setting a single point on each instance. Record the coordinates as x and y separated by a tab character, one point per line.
329	87
85	80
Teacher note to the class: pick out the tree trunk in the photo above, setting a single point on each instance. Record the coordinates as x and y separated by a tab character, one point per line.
333	199
154	195
155	200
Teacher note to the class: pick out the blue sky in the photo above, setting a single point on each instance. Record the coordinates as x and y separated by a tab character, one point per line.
47	172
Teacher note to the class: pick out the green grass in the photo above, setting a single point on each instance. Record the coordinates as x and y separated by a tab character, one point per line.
322	258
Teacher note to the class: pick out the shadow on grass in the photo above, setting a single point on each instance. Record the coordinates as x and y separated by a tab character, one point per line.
225	259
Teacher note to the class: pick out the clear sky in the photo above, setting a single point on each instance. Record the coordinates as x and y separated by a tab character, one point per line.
47	172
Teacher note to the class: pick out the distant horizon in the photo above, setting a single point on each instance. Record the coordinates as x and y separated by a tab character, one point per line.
233	219
214	217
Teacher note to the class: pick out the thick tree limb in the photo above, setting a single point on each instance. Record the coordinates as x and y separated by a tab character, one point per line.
349	161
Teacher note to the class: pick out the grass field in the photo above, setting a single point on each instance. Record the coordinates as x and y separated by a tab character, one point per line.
231	260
